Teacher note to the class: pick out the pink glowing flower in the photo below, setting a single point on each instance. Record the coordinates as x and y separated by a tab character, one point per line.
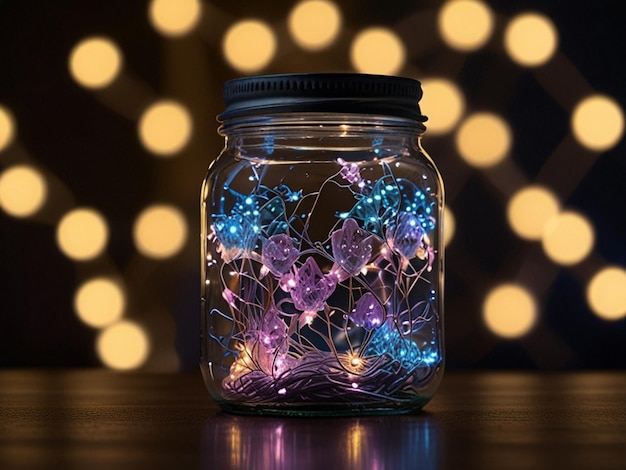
368	312
273	329
352	247
349	171
310	288
278	254
406	236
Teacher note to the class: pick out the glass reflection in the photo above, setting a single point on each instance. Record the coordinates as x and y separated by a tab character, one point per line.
375	443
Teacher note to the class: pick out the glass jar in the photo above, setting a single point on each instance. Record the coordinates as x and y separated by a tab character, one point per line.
322	249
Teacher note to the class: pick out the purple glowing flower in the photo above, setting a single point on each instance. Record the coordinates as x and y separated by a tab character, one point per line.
273	329
349	171
278	254
352	247
406	237
310	288
368	312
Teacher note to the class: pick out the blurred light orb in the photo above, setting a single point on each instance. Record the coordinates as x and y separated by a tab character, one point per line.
483	139
509	311
95	62
165	128
23	190
82	234
174	18
530	39
598	122
530	209
249	45
606	293
568	238
449	226
377	50
123	346
99	302
443	103
7	127
314	24
160	231
465	25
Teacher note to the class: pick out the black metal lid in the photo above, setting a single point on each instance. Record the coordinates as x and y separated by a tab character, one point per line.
322	92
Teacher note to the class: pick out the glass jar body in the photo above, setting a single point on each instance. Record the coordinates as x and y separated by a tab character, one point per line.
322	267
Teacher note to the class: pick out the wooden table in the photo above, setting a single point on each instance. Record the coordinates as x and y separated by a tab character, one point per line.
92	419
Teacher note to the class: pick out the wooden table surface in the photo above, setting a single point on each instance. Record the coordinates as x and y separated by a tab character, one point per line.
92	419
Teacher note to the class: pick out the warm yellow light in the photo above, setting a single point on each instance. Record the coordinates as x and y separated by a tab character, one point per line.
174	17
7	127
82	234
377	50
160	231
483	139
530	39
598	122
314	24
530	209
95	62
606	293
23	191
443	103
509	311
99	302
465	25
449	225
165	128
568	238
249	45
123	345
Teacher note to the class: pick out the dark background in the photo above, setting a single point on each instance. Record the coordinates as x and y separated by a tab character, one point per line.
86	143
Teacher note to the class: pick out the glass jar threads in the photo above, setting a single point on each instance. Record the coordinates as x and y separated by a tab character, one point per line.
322	249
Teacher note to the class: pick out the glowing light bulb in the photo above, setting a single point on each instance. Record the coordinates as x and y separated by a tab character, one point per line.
606	293
530	39
249	45
530	209
165	128
23	191
314	24
465	25
95	62
160	231
377	50
174	18
82	234
99	302
7	127
483	139
568	238
443	103
509	311
123	345
598	122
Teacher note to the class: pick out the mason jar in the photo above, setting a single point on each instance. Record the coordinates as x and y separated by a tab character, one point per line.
322	249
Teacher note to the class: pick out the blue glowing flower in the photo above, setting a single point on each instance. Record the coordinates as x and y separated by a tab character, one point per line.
405	236
310	288
368	312
401	350
352	247
236	234
278	254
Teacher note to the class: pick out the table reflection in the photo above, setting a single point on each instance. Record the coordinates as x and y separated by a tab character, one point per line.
268	443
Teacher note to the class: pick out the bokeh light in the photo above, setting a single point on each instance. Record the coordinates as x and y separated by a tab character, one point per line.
160	231
598	122
530	209
509	311
377	50
443	103
249	45
165	128
174	17
95	62
7	127
82	234
100	302
123	345
606	293
530	39
23	190
465	25
449	226
483	139
314	24
568	238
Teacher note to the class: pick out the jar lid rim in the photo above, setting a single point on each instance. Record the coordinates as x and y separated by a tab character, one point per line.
322	92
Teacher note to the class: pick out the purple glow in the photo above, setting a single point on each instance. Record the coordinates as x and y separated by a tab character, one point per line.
352	247
278	254
368	312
